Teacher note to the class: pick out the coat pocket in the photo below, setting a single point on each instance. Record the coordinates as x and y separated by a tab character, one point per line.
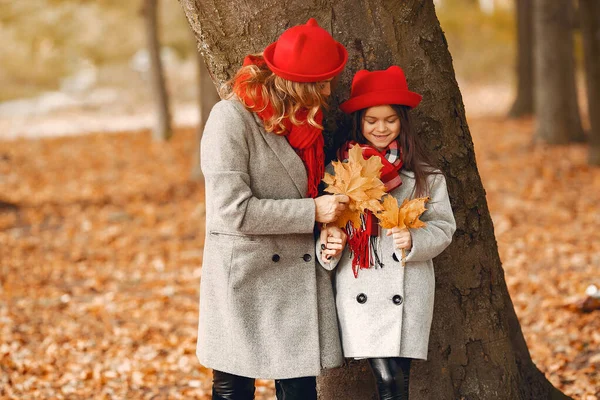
216	263
252	263
233	235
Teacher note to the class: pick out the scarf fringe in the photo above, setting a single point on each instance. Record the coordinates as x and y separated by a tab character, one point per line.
364	244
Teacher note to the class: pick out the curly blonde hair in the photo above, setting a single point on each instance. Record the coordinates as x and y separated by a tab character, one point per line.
286	97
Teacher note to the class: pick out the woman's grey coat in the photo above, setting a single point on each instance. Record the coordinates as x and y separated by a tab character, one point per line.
266	307
372	324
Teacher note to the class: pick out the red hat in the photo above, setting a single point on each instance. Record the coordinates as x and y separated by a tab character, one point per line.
306	53
380	87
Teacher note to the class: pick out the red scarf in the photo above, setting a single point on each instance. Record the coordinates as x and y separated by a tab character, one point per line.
305	139
363	240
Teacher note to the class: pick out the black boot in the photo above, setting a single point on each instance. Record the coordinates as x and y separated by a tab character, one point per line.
296	388
232	387
391	375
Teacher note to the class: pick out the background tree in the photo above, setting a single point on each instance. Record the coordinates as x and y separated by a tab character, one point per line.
523	104
556	108
477	349
207	98
162	130
589	14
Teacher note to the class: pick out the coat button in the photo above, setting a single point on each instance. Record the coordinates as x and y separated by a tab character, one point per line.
395	257
397	299
361	298
307	257
275	257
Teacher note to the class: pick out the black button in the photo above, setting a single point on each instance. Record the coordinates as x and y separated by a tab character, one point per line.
361	298
275	257
395	257
397	299
307	257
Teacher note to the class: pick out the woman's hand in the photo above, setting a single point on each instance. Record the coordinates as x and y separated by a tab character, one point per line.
333	240
402	238
329	207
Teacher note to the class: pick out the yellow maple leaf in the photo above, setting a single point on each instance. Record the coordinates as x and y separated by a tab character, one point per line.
403	216
348	215
371	167
388	218
359	180
412	210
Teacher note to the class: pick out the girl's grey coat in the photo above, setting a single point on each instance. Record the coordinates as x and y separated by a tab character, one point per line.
380	326
266	307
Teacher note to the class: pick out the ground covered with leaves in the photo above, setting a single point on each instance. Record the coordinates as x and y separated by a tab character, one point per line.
101	245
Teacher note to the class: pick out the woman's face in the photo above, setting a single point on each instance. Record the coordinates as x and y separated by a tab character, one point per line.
380	125
324	87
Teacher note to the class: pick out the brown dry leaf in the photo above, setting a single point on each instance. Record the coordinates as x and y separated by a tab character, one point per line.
405	216
359	180
371	167
348	215
57	263
388	218
412	210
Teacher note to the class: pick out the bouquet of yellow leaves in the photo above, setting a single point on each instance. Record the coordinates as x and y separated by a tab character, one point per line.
405	216
359	180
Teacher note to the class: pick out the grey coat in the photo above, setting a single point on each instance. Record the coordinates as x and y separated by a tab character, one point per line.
387	312
266	307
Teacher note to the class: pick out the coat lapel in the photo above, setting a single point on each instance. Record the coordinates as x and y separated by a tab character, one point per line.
287	156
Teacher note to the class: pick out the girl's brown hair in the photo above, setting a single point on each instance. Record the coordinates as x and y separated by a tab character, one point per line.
414	156
286	97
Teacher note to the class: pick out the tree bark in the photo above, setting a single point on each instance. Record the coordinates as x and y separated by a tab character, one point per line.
162	130
207	98
477	349
589	14
558	120
523	104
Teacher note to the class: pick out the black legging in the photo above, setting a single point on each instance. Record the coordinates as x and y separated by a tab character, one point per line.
233	387
391	375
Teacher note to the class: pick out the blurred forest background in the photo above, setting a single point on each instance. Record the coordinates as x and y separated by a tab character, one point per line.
81	61
101	235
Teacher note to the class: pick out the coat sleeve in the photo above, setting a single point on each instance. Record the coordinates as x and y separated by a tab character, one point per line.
428	242
224	162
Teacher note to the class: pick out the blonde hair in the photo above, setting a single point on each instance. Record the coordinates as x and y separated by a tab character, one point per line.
286	97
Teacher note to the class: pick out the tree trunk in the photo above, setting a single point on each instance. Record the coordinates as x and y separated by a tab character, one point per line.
207	98
556	108
589	13
162	130
477	349
523	104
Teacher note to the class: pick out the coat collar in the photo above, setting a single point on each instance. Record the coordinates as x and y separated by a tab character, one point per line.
287	156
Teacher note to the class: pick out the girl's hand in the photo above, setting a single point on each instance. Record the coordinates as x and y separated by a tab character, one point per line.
329	207
402	238
333	240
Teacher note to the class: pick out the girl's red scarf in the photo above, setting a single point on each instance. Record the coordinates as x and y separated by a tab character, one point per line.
363	240
305	139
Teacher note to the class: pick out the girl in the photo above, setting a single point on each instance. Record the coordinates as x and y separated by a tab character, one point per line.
266	309
385	311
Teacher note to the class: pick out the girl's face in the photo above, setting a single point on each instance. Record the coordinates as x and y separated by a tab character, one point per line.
380	125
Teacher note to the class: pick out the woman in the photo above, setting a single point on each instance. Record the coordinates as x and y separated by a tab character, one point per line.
266	310
384	308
